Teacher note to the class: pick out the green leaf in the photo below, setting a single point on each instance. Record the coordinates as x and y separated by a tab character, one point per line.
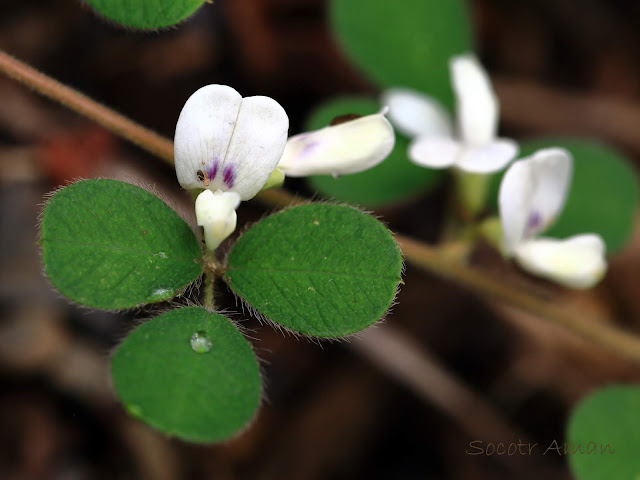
146	14
111	245
394	180
322	270
188	373
608	417
404	44
603	198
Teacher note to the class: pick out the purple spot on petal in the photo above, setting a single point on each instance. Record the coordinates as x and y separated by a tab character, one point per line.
308	148
534	222
212	171
229	176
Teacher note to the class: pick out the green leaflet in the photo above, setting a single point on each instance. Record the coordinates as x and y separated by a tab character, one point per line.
111	245
603	435
321	270
146	14
188	373
404	44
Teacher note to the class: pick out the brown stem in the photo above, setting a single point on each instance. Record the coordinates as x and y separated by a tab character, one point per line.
111	120
598	331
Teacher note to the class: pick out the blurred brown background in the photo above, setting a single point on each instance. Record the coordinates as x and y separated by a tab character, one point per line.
335	411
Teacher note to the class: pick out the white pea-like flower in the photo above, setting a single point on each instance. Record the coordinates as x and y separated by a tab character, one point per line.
216	214
229	146
532	194
228	143
476	149
346	148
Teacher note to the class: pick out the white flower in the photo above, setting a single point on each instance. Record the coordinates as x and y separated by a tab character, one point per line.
216	213
532	194
346	148
228	143
477	150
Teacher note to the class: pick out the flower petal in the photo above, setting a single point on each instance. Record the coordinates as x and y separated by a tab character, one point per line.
532	194
477	104
349	147
488	158
216	213
225	142
434	152
577	262
203	132
514	201
415	114
552	170
256	146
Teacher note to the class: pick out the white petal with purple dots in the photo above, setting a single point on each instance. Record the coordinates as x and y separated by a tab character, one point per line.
532	194
349	147
228	143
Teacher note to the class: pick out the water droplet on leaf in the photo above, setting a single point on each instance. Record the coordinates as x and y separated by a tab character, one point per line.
160	294
200	342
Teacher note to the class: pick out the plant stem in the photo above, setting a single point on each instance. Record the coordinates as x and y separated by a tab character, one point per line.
209	279
597	331
470	191
111	120
211	270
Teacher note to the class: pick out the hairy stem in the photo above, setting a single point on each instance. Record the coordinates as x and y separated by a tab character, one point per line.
80	103
209	279
598	331
211	270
